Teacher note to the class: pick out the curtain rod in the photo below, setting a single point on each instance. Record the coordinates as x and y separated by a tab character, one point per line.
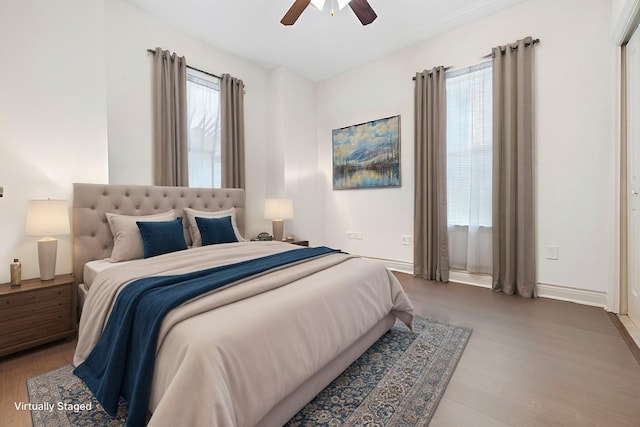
445	68
534	41
193	68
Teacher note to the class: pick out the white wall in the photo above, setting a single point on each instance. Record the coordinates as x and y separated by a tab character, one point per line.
292	156
52	114
574	129
129	33
63	93
381	90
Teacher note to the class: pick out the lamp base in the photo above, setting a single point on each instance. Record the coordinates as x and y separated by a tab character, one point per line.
47	252
278	229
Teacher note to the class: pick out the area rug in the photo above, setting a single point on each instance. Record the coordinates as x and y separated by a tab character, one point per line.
397	382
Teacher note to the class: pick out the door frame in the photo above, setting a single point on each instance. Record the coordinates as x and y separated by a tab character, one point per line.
623	29
623	176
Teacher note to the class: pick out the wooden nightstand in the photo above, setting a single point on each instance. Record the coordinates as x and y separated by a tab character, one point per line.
36	312
297	242
292	241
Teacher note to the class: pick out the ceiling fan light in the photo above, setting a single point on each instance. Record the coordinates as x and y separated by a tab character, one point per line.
342	3
318	4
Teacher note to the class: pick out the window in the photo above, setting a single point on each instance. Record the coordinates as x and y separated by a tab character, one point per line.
203	109
469	158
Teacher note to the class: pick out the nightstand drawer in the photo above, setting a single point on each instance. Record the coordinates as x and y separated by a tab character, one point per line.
40	319
57	305
35	331
10	301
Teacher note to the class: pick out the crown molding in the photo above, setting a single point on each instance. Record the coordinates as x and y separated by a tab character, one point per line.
627	22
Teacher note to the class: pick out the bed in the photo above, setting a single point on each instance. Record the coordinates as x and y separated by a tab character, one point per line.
251	354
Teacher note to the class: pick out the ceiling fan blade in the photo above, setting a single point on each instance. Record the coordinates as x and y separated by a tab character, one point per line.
363	11
294	12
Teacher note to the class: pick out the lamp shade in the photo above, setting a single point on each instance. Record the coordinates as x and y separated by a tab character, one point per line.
278	209
47	218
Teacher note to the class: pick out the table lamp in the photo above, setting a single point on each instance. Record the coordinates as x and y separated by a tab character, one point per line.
47	218
278	210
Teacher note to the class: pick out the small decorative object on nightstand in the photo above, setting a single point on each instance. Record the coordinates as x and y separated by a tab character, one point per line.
37	312
16	272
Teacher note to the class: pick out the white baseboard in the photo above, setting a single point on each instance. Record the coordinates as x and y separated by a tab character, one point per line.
631	328
545	290
466	278
400	266
577	295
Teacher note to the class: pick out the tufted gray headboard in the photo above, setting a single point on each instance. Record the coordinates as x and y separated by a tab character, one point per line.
92	238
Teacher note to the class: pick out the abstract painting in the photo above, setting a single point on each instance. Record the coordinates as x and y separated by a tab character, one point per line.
367	155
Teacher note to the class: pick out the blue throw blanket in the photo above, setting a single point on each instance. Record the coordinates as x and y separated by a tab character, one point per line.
121	363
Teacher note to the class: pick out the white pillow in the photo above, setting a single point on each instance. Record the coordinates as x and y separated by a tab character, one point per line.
191	214
127	241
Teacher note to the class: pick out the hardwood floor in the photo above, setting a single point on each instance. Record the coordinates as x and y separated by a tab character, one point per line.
531	362
528	363
17	368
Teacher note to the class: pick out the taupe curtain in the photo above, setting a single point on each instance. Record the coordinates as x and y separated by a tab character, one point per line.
232	116
170	129
431	246
514	258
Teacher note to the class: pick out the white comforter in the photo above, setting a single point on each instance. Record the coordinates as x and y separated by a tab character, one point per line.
231	365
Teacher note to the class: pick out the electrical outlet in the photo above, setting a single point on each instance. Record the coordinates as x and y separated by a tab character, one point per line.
355	235
553	252
406	240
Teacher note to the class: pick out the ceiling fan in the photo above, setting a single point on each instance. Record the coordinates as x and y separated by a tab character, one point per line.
361	8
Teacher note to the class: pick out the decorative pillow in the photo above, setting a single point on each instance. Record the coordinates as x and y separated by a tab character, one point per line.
127	242
216	230
195	231
162	237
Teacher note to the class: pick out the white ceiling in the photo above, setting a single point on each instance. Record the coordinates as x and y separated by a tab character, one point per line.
318	45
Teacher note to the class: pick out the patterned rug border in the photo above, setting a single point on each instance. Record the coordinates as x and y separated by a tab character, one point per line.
392	388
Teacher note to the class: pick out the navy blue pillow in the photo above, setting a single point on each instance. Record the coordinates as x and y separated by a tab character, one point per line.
216	230
161	237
